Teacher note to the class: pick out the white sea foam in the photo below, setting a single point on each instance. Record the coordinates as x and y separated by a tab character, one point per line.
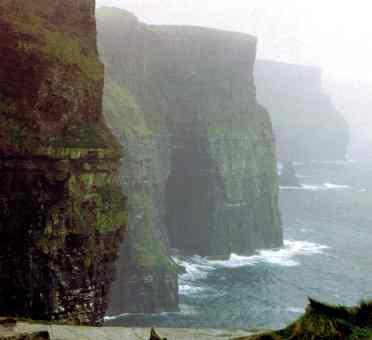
196	267
303	187
340	162
184	309
314	187
185	289
336	186
288	256
115	317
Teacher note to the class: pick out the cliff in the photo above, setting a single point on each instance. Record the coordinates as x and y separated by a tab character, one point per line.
306	123
353	98
147	278
288	177
62	212
203	146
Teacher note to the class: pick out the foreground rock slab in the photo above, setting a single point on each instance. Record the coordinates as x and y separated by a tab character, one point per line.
122	333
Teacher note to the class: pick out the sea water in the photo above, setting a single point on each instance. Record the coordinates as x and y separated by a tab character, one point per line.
327	255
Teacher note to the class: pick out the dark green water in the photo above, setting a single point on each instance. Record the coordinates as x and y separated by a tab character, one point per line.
327	255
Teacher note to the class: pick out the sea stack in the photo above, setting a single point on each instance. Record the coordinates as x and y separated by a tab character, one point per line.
288	177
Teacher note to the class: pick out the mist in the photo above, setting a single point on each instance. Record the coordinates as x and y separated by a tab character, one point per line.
183	169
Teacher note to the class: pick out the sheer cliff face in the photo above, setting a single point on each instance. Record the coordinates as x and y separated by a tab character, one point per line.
62	212
306	123
198	85
213	154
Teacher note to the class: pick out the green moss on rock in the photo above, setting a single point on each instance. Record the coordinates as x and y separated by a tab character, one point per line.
62	213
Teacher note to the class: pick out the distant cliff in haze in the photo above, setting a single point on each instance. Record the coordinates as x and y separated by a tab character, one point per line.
306	123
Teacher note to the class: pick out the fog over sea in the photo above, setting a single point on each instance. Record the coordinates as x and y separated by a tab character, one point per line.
326	255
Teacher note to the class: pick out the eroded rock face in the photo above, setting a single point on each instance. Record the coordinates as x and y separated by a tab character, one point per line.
200	134
221	193
147	279
62	212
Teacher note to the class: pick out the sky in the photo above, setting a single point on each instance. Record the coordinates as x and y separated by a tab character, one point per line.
333	34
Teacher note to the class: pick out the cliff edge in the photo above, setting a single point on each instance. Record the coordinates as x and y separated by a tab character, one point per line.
62	213
204	167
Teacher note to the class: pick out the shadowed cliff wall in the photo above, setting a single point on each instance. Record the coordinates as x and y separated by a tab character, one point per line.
214	160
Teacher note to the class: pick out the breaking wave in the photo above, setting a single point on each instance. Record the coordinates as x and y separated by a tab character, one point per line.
197	267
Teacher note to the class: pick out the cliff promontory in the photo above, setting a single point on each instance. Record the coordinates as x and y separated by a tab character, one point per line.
62	213
306	123
202	147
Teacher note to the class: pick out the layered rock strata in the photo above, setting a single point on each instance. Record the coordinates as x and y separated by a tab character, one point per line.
62	213
210	160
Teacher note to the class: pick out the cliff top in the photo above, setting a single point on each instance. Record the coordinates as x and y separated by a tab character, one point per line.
52	99
124	16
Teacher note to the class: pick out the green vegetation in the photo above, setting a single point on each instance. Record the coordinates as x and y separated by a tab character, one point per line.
148	251
322	321
122	111
35	34
113	213
68	50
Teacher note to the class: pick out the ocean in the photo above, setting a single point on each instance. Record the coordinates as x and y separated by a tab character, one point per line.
327	255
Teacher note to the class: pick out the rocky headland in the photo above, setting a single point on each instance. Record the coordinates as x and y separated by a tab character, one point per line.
62	212
202	171
306	123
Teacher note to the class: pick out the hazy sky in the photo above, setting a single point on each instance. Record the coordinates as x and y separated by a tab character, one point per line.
335	34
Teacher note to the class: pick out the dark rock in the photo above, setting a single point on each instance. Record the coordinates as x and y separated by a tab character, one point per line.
202	174
8	323
62	213
155	336
288	176
222	160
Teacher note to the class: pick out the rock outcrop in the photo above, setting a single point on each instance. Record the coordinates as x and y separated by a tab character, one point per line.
322	321
62	212
203	147
307	125
288	176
